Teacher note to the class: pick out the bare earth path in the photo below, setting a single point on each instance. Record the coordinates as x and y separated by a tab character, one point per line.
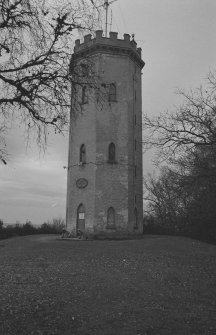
158	285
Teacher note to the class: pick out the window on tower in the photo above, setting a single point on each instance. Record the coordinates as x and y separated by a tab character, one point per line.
110	218
82	154
112	92
135	219
84	69
112	153
84	95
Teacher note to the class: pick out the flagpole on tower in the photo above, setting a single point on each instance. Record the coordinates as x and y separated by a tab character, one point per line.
106	5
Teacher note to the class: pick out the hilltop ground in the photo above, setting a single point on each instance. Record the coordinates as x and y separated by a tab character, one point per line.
157	285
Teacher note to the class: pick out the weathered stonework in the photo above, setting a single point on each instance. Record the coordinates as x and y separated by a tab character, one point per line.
110	192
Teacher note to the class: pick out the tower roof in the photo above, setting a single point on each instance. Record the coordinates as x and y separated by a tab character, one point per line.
111	45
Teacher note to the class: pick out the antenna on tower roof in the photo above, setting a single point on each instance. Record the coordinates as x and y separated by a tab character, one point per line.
106	5
111	21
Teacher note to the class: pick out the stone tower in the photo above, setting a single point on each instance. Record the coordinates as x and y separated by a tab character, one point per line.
104	191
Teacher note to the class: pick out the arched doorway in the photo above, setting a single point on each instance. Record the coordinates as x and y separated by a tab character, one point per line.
81	218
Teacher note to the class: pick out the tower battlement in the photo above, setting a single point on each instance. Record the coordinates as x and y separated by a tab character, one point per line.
109	44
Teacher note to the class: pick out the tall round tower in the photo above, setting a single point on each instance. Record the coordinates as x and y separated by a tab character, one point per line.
104	191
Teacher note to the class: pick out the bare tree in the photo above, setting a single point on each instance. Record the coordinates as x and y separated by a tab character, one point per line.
192	124
3	152
185	139
36	43
167	198
183	195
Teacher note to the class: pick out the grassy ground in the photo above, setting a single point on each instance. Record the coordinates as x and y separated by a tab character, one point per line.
158	285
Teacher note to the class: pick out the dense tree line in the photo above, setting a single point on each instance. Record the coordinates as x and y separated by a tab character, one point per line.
181	198
55	226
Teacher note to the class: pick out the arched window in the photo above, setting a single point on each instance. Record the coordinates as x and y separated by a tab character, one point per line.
112	92
84	95
111	218
135	219
82	154
111	153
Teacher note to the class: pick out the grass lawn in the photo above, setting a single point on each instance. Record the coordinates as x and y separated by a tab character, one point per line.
157	285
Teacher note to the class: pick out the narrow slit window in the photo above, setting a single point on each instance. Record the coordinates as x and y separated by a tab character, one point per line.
83	154
135	171
84	95
112	153
135	219
112	92
111	218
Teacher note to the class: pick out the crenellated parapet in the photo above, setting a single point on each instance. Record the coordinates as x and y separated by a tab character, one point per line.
111	45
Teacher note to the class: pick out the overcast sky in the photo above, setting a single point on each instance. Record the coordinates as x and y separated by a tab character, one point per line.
178	41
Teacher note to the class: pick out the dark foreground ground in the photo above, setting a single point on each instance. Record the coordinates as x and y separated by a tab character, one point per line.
158	285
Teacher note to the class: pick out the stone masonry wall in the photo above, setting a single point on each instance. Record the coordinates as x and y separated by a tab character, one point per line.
120	122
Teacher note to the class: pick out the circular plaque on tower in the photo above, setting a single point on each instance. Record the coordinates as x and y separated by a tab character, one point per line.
81	183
